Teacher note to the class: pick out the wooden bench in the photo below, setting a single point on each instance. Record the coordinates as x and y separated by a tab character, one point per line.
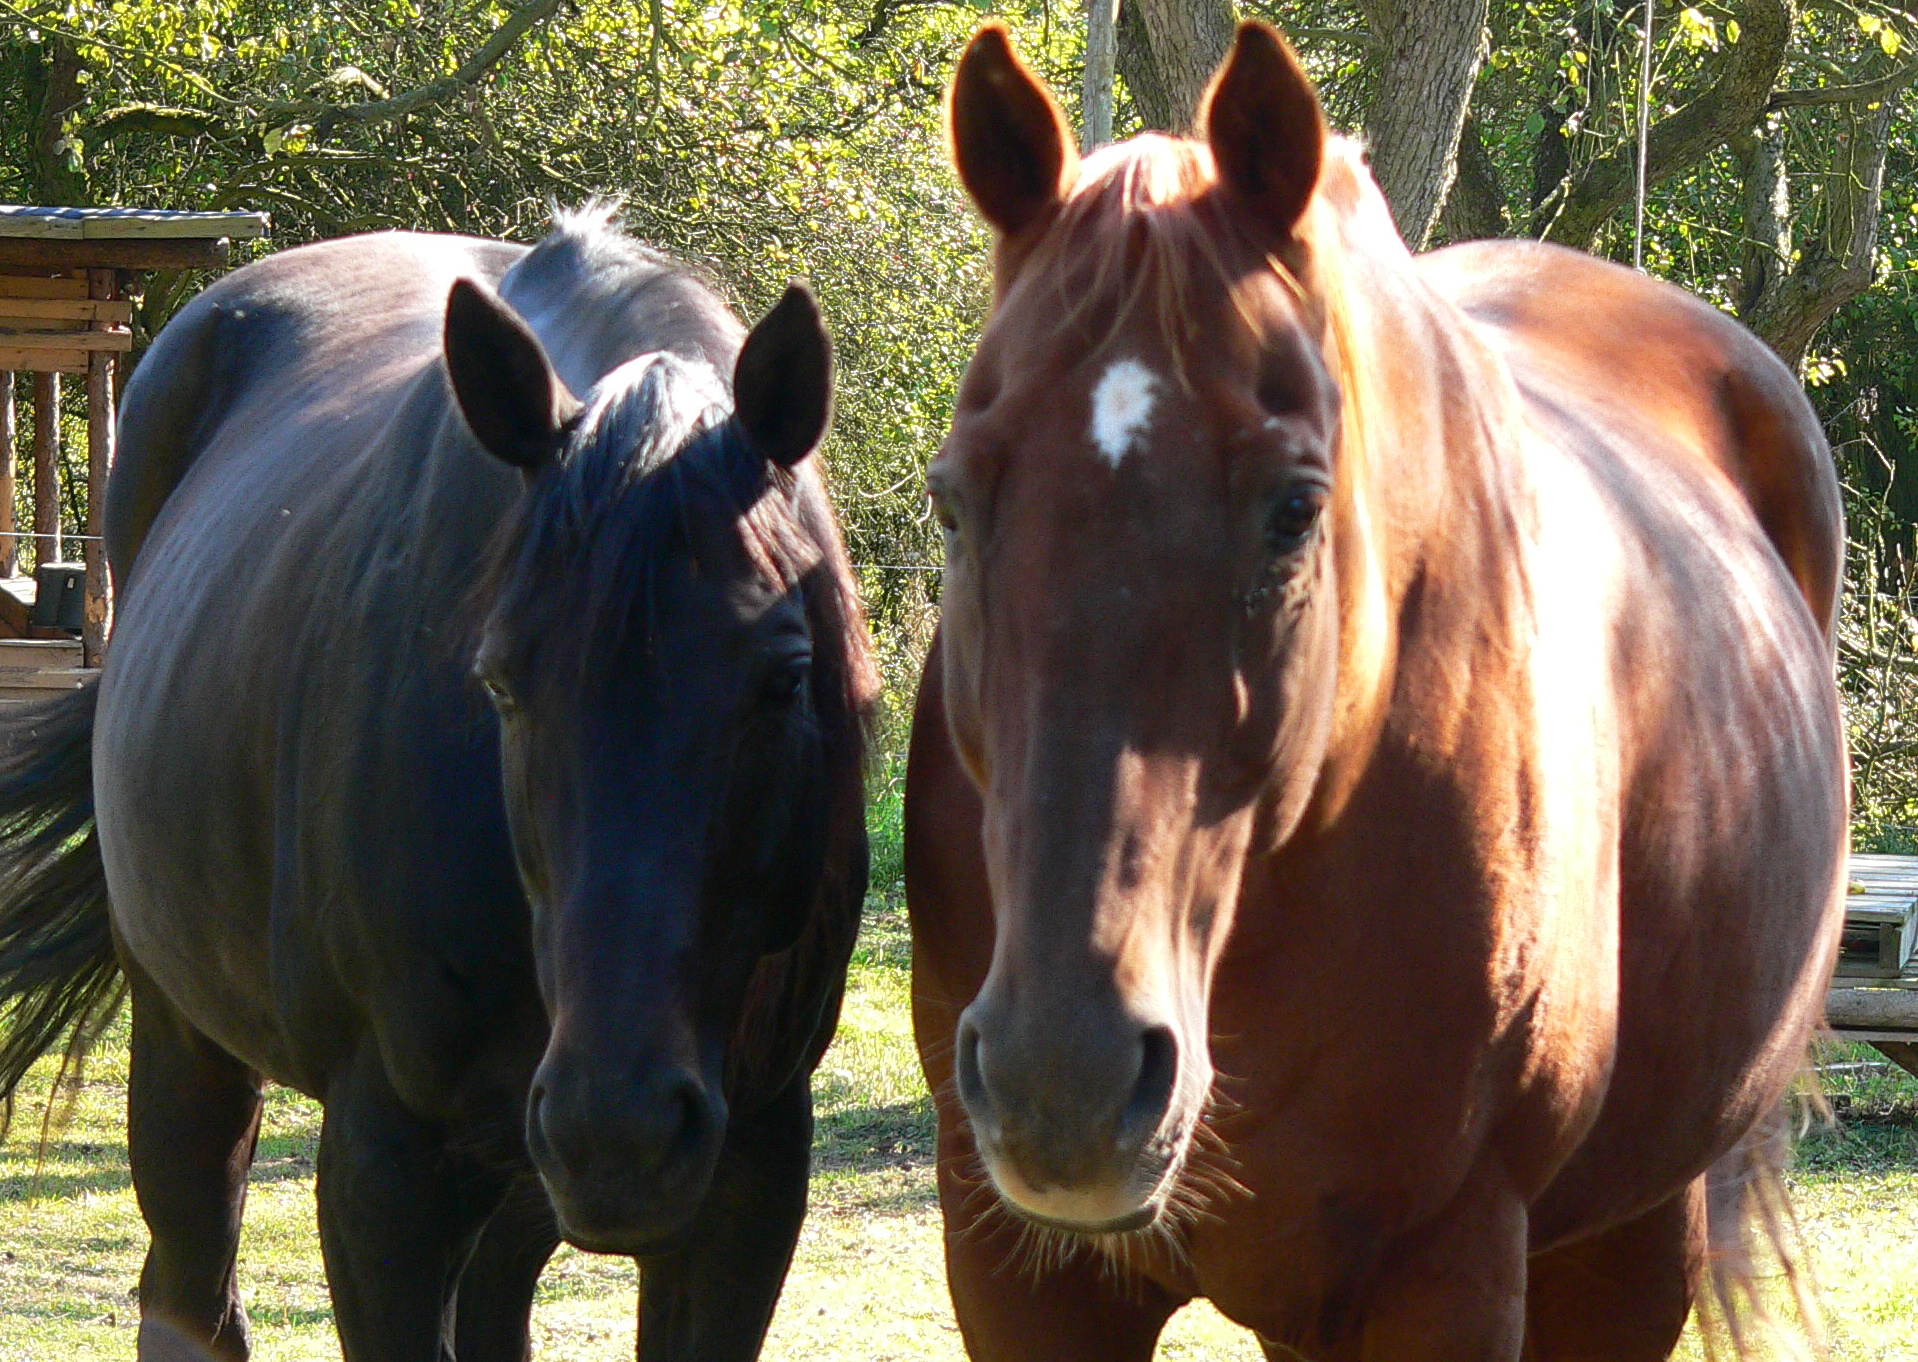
1874	993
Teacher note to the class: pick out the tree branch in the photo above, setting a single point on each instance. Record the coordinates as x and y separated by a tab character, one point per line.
1731	105
1868	92
157	119
325	116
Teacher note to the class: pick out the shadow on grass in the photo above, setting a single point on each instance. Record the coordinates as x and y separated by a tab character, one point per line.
870	1139
102	1168
1865	1140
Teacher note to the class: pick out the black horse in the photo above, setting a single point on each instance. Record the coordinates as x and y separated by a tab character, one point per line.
481	760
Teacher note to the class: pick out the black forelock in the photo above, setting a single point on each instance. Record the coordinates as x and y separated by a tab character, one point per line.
652	455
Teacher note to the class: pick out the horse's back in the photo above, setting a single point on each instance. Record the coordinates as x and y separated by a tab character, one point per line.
304	334
1640	353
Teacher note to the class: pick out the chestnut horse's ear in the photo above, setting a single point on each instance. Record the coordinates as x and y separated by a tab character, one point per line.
782	381
1010	143
513	402
1263	122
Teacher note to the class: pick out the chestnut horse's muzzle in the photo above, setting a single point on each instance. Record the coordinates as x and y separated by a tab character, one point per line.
625	1163
1081	1122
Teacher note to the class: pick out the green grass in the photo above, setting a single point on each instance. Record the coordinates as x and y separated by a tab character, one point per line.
867	1283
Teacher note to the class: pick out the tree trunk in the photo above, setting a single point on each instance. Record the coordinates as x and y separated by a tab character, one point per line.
1431	51
1475	207
59	178
1786	302
46	468
9	545
1139	69
1102	37
1188	39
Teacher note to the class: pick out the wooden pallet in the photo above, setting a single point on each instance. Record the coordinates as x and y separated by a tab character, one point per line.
1868	1001
32	667
1881	916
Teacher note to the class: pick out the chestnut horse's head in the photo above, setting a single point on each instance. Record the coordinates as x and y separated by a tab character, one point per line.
1140	498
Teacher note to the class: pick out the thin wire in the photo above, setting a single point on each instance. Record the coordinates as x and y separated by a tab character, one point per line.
1644	121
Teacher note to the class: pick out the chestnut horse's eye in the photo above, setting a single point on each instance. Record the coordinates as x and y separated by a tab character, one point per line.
942	511
1292	518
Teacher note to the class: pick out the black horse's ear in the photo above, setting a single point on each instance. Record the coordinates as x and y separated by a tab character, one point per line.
782	382
515	405
1010	143
1263	123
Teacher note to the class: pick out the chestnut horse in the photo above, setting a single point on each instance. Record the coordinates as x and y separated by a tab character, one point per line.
1377	803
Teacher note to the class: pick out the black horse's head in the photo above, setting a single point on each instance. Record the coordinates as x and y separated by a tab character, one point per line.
648	647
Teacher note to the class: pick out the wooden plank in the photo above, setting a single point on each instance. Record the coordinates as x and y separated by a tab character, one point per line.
40	286
96	224
115	339
119	255
45	228
43	361
98	620
24	654
1872	1009
65	309
9	546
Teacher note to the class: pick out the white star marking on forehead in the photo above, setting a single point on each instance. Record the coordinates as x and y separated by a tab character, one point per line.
1122	408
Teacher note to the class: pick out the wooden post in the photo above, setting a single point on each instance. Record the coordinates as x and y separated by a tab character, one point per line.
101	284
1102	52
9	544
46	468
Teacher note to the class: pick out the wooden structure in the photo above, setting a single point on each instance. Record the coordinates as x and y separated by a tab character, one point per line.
64	277
1874	995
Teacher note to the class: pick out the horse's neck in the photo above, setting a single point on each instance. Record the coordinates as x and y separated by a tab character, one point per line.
1423	506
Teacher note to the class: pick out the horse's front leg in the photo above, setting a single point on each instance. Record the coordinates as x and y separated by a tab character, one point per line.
495	1305
711	1299
399	1214
1453	1291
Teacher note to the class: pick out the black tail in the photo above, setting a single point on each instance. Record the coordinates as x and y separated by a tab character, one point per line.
58	974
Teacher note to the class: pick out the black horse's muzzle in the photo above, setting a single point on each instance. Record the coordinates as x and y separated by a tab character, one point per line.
625	1163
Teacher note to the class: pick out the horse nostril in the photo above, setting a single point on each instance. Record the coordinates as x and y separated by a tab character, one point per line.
682	1120
536	1138
966	1071
1152	1092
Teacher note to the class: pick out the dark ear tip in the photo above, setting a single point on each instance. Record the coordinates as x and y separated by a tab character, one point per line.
463	299
799	297
1258	33
990	38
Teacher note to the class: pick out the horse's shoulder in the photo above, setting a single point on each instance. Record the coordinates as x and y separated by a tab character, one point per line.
1645	363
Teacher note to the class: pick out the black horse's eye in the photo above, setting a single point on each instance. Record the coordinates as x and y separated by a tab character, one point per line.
497	692
1292	518
784	684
